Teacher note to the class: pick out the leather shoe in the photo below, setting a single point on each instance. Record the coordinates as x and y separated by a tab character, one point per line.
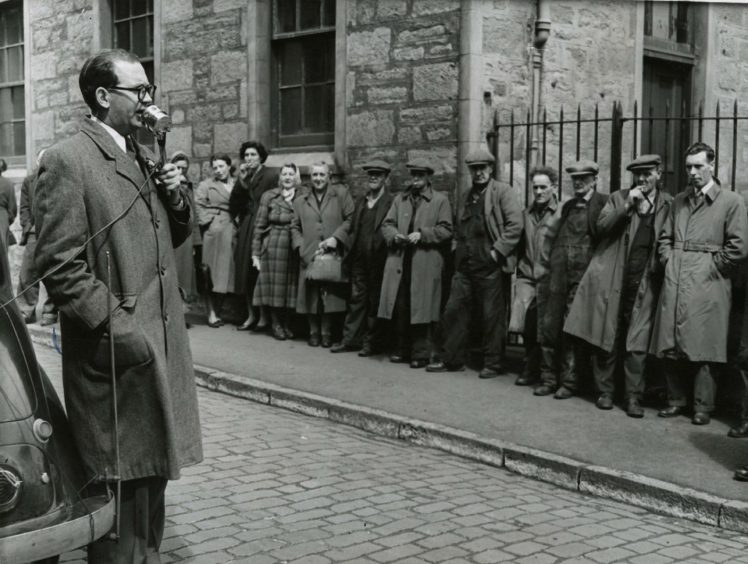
490	372
525	380
604	402
701	418
563	393
633	409
739	432
247	325
418	363
398	359
365	351
326	341
741	474
279	333
672	411
216	323
339	348
444	367
288	333
313	340
542	390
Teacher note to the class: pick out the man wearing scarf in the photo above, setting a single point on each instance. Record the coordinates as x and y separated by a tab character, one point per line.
615	303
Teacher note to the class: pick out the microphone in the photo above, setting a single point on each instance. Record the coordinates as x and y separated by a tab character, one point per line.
157	121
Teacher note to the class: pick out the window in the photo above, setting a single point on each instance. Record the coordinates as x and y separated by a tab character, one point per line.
668	25
132	23
12	103
304	72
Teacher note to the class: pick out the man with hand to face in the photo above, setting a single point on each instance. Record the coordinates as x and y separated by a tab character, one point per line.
367	255
487	233
701	244
615	303
417	226
84	182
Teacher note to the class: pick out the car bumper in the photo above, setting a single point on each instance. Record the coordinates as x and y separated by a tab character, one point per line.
88	522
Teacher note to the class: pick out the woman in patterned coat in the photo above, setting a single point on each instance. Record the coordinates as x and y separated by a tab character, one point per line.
277	282
212	207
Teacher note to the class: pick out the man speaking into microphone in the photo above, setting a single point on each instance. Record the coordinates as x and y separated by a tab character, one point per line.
97	205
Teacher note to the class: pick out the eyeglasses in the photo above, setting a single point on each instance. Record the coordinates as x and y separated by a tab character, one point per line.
142	90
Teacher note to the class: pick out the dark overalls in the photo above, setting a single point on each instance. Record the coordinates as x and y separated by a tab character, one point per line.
477	287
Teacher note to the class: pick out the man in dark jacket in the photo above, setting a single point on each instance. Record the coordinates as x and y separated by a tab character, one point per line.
615	303
100	208
487	233
564	358
366	257
28	285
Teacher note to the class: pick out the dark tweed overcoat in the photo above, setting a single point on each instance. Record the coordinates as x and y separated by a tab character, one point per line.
243	205
86	182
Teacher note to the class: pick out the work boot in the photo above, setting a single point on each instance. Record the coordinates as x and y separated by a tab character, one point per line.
563	393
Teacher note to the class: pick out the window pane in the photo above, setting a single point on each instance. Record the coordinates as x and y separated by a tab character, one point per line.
140	33
121	9
19	103
139	7
317	115
329	10
148	68
2	29
311	14
13	27
286	15
6	105
290	103
6	138
291	56
122	36
319	59
15	63
19	138
3	66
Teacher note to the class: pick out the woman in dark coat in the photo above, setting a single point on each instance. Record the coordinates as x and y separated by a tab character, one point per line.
212	207
184	252
278	266
322	220
254	180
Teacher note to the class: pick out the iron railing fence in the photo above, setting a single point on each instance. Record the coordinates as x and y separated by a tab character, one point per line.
595	136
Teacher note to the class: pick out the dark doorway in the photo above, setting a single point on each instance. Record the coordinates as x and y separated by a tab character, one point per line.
667	88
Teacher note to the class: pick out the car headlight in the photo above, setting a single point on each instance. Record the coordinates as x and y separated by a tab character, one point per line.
10	488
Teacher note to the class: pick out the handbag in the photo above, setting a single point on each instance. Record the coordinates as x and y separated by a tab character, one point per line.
326	267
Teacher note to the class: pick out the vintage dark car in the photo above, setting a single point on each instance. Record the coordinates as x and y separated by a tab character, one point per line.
45	509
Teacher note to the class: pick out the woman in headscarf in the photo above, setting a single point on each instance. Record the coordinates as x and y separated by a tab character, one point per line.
278	266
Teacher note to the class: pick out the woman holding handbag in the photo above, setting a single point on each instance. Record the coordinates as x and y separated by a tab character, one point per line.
277	283
322	220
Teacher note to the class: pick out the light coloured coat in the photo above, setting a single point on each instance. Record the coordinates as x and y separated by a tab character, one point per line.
433	219
594	313
700	246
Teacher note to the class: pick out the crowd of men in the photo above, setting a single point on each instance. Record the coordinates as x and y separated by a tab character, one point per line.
603	283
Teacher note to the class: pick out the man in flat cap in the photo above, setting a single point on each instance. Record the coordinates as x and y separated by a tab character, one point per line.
487	232
416	229
615	303
367	255
563	356
702	242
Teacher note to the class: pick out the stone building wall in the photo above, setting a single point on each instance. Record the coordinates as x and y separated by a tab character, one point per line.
402	86
589	59
204	62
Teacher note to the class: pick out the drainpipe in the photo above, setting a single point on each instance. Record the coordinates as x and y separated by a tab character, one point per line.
542	32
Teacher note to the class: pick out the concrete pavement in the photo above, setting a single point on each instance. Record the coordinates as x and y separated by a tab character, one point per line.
280	487
666	465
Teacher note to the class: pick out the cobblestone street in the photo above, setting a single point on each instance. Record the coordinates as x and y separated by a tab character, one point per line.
280	487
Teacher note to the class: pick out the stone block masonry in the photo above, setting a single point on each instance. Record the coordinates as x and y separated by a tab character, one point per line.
403	86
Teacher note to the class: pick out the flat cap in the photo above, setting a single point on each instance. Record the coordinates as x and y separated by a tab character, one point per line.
479	157
644	161
376	165
420	164
582	168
